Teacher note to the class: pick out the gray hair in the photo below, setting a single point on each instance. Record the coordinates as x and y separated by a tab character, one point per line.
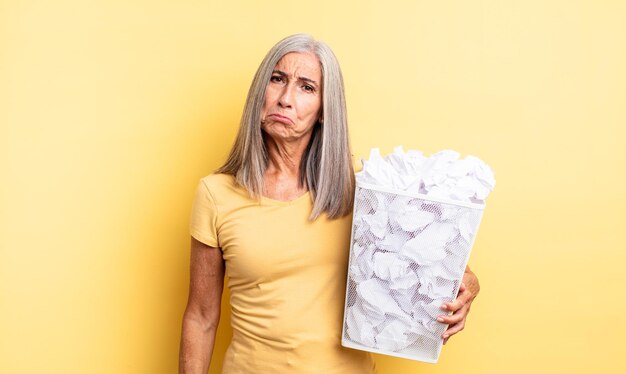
326	166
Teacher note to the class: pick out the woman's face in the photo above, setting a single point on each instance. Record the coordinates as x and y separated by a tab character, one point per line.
293	98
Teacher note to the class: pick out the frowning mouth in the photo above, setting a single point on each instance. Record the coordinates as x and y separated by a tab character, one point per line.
278	118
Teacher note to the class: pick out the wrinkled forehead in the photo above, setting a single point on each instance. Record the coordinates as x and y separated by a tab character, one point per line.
300	64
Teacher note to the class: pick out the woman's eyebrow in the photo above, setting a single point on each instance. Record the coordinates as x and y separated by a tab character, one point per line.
283	74
279	72
308	80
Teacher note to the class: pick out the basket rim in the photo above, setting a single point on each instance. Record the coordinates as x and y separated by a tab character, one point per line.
418	195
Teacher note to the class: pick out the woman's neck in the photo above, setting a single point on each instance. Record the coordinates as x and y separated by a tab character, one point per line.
282	176
285	157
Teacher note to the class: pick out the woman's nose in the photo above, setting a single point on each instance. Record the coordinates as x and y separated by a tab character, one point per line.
285	99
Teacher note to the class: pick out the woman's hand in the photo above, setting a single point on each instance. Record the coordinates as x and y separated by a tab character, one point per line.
461	306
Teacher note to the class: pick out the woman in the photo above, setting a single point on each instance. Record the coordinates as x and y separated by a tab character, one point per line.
276	219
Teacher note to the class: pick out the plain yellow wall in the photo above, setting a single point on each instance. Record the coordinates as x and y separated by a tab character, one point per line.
110	111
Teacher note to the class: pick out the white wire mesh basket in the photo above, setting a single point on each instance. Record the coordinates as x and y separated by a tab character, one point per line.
408	253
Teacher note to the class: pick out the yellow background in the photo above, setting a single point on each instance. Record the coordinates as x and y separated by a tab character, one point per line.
110	111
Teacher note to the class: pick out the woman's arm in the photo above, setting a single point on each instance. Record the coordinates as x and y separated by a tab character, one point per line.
461	306
202	314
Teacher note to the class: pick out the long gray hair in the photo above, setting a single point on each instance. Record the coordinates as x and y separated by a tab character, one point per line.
326	166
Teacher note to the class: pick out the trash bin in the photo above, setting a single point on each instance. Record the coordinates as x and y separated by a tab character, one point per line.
408	253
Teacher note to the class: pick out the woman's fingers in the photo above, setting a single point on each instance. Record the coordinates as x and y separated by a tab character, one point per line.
453	329
462	299
456	322
461	306
457	317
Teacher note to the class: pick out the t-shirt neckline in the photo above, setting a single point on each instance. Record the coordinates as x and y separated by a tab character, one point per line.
298	199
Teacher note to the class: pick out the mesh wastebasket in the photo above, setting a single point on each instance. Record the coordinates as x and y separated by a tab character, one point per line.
408	253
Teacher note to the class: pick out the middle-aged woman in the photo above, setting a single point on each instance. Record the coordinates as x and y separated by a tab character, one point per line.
276	218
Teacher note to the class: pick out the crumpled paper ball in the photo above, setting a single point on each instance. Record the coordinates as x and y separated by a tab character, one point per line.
442	175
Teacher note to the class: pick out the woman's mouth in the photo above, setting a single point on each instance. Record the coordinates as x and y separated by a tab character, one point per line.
279	118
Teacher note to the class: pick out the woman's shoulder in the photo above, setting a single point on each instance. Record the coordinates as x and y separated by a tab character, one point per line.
218	180
222	186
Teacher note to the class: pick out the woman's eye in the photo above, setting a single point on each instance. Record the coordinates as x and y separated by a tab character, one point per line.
308	88
276	78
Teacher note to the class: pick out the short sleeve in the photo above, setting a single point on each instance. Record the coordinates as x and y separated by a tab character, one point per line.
202	225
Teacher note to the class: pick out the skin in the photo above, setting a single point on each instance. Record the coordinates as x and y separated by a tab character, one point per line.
202	314
293	104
